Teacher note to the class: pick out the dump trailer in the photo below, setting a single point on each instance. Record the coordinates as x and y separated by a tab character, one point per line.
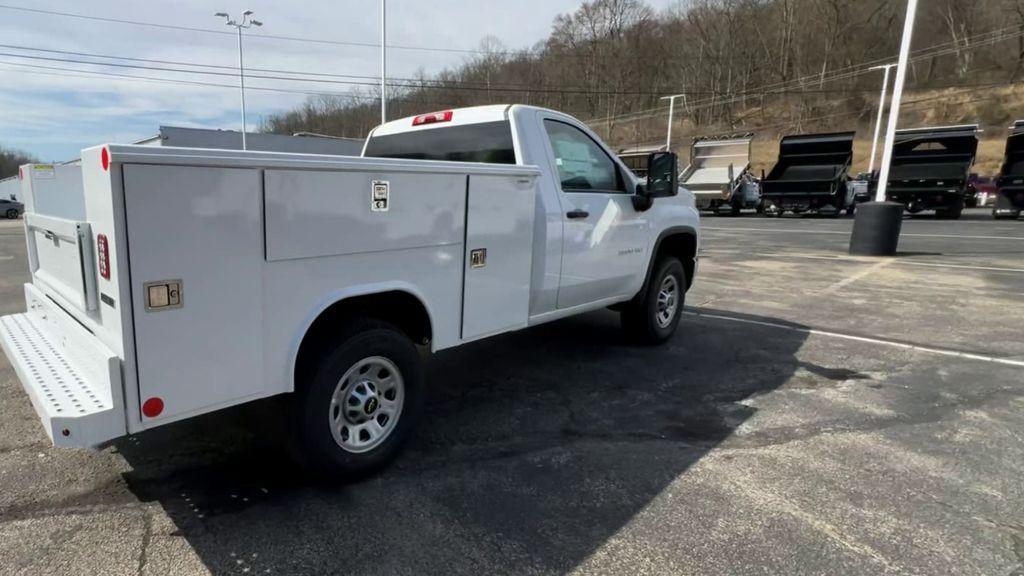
719	174
930	167
1010	182
810	174
635	158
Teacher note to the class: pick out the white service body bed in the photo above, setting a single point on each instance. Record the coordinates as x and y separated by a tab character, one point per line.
172	282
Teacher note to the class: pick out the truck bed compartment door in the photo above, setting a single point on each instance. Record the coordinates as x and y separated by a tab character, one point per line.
195	242
498	253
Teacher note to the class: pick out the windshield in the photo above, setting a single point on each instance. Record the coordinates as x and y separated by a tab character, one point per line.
489	142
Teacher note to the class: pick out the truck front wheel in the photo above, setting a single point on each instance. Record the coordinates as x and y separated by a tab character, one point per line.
652	317
360	404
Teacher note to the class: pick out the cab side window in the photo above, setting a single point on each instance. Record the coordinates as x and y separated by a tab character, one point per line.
582	165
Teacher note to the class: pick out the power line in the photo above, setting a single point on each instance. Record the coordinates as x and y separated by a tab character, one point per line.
413	84
493	86
269	36
90	74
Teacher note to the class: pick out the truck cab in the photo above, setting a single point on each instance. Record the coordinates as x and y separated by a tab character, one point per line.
598	231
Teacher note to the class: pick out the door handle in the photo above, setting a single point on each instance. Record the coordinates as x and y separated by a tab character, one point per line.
577	213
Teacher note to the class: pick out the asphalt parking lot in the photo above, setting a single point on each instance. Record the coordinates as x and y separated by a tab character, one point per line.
816	414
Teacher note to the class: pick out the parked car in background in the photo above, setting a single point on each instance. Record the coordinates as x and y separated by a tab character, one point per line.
11	209
981	191
858	190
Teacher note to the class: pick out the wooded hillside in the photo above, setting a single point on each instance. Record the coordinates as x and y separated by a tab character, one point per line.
11	159
769	66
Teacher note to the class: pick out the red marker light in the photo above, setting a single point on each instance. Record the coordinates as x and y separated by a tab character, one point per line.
103	255
153	407
105	159
433	117
21	173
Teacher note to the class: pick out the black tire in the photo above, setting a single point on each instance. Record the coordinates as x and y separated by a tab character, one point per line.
12	214
640	316
313	441
951	213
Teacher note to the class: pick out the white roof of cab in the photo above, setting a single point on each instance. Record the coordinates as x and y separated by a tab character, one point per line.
472	115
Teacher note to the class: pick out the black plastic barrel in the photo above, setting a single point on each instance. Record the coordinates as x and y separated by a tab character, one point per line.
876	229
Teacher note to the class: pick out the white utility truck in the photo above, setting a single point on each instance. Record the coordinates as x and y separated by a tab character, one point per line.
177	281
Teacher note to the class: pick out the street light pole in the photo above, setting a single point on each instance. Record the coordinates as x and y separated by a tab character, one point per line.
246	22
881	108
876	225
897	96
671	111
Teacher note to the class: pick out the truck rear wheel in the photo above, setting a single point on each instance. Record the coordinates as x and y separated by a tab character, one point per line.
652	317
360	404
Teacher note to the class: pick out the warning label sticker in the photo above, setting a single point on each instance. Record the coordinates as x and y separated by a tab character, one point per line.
380	199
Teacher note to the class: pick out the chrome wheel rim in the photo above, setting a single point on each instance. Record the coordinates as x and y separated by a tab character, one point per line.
668	301
366	404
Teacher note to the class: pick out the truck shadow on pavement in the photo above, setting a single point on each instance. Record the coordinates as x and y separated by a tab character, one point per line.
535	449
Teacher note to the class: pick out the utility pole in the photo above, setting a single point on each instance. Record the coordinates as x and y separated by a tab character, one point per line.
881	108
383	62
245	22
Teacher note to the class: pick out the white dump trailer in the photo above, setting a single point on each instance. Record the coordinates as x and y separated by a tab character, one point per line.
719	174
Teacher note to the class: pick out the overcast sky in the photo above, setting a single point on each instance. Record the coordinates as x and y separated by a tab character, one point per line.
53	112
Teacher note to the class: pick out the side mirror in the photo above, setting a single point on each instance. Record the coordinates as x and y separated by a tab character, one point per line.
662	175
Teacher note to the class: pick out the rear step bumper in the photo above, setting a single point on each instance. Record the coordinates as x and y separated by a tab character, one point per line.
73	380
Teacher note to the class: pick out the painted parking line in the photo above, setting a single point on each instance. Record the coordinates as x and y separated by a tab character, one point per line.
837	286
847	233
866	339
896	262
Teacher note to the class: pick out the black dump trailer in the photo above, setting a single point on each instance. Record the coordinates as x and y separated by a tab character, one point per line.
810	174
1010	197
930	168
